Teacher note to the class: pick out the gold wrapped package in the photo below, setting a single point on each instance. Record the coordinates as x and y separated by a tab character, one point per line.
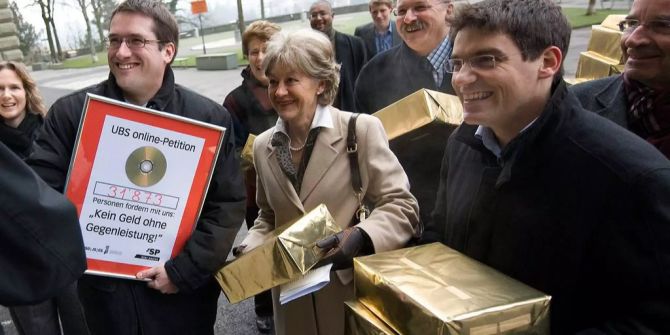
419	109
432	289
606	42
418	126
288	254
247	154
359	320
593	66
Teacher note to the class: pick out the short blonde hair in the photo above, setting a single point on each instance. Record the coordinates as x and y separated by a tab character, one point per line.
309	52
34	103
262	30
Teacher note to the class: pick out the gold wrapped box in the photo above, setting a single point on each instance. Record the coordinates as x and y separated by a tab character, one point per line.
432	289
418	126
612	21
288	254
593	66
419	109
359	320
247	154
606	42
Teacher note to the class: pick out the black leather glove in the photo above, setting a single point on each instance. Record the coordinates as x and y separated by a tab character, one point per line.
342	247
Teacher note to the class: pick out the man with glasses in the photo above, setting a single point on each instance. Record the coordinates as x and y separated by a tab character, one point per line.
349	52
416	63
544	191
638	99
180	296
379	35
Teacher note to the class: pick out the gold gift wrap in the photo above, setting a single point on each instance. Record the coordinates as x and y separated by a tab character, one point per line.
359	320
247	154
432	289
606	42
288	254
418	126
593	66
612	21
419	109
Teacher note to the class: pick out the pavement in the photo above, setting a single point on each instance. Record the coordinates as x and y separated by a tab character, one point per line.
235	319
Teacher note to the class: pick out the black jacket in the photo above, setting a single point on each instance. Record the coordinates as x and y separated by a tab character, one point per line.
366	32
42	251
20	139
392	75
350	54
193	309
605	96
576	207
249	116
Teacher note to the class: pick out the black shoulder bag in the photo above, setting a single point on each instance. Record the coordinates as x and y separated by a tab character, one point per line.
352	150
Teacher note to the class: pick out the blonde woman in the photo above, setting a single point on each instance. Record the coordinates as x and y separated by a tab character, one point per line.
302	162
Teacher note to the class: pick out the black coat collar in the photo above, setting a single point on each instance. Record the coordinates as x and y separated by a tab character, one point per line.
160	101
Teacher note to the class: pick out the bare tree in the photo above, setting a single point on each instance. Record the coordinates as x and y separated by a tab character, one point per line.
591	9
89	34
27	35
46	8
55	32
97	7
240	17
262	10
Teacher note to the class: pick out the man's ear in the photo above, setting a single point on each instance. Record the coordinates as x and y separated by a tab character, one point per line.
168	52
552	58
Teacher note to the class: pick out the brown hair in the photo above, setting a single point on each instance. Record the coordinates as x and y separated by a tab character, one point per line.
388	3
261	30
533	25
34	103
165	26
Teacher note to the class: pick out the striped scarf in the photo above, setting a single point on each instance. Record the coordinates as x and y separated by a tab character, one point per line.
649	114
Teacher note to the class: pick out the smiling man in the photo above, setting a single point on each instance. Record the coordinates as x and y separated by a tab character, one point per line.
544	191
379	35
349	52
638	99
181	295
416	63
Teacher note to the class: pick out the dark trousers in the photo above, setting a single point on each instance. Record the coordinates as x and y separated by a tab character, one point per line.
263	300
43	318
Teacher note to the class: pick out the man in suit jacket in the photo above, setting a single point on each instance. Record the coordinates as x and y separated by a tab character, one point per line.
349	52
379	35
639	99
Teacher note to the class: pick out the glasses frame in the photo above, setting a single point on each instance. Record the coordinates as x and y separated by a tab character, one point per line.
450	68
657	26
131	42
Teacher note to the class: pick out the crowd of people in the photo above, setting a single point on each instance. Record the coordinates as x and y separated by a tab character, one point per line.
564	188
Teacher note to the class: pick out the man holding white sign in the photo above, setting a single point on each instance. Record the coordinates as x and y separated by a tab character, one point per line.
181	295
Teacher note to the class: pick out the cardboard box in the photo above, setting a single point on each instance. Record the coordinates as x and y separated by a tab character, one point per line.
418	127
288	254
432	289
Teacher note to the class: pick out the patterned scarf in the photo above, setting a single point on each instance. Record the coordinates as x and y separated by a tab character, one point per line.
281	143
649	114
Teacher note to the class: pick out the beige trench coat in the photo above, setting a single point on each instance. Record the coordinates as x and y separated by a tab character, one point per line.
327	180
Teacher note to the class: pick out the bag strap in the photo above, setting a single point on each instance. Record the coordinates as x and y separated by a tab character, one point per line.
352	150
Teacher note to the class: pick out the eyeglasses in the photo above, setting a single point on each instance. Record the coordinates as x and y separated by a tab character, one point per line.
315	15
481	62
133	42
416	9
657	26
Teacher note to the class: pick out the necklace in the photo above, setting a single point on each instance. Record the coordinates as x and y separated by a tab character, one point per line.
298	148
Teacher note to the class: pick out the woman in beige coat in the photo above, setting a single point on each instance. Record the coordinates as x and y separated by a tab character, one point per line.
302	162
